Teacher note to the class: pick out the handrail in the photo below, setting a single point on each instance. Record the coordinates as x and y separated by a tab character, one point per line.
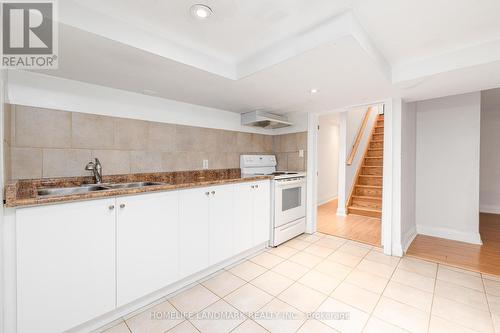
359	136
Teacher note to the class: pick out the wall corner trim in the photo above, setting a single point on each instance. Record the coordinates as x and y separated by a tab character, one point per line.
408	238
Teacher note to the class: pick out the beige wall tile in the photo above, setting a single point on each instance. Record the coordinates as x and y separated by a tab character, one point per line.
268	143
92	131
65	162
290	143
227	141
145	161
44	128
161	137
7	124
7	162
131	134
26	163
244	142
114	162
126	145
189	139
295	162
282	163
277	143
302	140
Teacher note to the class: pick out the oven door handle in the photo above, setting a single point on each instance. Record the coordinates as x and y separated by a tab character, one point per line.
292	182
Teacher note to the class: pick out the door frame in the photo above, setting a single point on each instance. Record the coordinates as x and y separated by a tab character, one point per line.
388	175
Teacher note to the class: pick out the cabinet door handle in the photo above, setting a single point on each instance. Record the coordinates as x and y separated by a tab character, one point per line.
122	205
213	192
207	193
111	207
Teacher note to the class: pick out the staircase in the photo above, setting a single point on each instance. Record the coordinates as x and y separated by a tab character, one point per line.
366	196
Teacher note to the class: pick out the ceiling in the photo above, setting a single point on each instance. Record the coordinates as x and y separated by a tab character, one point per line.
264	54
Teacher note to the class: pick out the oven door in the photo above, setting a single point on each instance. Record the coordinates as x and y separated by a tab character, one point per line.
289	200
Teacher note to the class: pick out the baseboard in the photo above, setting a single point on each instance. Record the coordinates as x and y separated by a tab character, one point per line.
109	319
467	237
322	202
408	238
490	209
341	211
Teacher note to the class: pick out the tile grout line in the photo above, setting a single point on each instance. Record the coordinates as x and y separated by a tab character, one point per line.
488	303
433	296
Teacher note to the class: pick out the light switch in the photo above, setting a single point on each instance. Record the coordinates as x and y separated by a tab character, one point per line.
301	152
205	164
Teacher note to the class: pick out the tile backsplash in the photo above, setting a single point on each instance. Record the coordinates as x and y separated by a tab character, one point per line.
44	143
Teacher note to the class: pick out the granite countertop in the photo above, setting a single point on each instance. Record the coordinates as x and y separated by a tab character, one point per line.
24	192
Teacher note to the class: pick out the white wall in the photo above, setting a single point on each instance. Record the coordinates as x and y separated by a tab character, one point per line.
328	158
447	172
490	152
408	173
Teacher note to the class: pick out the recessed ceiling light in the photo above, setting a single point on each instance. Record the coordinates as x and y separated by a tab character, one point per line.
200	11
313	91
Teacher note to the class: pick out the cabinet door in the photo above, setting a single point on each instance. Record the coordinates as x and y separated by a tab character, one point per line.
243	217
147	249
65	264
262	212
221	223
193	235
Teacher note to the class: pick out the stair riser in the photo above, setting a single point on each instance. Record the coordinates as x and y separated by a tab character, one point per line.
374	161
377	171
375	153
368	192
376	145
363	213
370	181
379	130
366	203
378	136
380	122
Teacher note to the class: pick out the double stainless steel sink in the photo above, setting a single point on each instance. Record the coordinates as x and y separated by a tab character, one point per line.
88	188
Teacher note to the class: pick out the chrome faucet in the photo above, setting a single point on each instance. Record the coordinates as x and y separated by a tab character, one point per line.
96	168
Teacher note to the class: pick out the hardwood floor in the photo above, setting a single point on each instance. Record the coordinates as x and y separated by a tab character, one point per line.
479	258
355	227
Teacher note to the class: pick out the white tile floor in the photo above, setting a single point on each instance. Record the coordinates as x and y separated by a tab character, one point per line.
322	274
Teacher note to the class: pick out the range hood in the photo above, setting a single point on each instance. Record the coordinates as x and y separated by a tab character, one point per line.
264	120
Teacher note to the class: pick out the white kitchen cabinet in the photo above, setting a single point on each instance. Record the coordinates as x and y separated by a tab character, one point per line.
193	230
147	229
262	212
221	217
65	264
243	217
252	215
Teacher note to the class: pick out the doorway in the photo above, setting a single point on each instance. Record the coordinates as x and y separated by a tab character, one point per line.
357	126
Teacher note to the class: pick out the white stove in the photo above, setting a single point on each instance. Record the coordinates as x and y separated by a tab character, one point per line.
288	195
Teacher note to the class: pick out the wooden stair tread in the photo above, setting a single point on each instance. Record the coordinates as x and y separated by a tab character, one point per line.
372	166
379	157
374	176
365	197
376	149
366	209
370	186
